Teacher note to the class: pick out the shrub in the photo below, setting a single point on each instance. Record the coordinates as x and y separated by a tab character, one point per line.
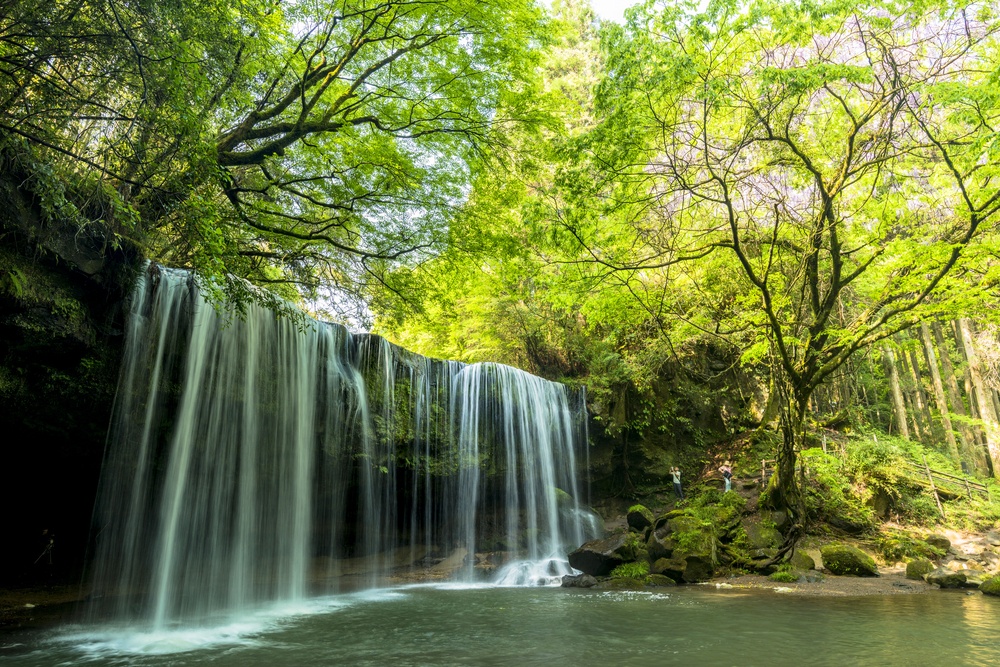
631	570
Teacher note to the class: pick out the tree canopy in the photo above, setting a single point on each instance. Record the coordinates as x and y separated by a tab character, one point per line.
798	183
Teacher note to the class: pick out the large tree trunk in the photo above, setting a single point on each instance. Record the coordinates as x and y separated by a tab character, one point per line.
784	491
923	403
898	405
938	387
984	399
954	395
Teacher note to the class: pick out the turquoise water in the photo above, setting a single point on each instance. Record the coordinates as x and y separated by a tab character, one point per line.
420	626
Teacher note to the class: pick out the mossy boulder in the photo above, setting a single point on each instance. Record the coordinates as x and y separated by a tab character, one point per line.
761	535
938	542
578	581
690	569
845	560
802	561
599	557
660	580
632	548
624	584
946	578
974	577
639	518
668	566
918	568
991	586
658	547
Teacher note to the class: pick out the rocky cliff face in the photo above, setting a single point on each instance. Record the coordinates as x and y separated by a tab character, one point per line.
61	290
696	411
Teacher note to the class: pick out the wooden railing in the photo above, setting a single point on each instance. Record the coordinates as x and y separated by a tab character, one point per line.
942	477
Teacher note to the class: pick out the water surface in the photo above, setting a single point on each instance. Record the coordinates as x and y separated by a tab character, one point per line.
487	626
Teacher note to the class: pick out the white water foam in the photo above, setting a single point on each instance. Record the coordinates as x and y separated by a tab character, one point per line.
246	632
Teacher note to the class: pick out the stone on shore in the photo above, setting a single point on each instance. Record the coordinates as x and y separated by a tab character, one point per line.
578	581
802	561
598	557
639	518
946	578
842	559
918	568
991	586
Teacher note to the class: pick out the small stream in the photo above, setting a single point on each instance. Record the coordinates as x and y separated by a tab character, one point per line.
483	626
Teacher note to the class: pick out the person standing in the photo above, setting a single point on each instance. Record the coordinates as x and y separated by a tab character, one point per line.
727	474
675	473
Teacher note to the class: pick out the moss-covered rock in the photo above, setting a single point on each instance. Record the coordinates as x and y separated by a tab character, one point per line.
842	559
631	570
660	580
946	578
669	566
991	586
639	518
761	535
624	584
918	568
632	548
800	560
939	542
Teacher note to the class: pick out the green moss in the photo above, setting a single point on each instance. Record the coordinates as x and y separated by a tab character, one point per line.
631	570
784	576
847	560
991	586
896	545
916	569
625	584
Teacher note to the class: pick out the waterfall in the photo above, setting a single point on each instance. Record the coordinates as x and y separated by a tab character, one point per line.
254	459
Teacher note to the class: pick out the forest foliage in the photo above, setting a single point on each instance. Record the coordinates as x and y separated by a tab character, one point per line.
800	195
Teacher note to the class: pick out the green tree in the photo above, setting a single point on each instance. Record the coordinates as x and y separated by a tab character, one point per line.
317	142
840	158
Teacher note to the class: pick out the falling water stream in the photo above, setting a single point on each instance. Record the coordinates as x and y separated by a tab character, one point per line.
255	460
271	487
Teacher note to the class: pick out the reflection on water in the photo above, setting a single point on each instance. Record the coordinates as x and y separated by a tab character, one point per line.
486	626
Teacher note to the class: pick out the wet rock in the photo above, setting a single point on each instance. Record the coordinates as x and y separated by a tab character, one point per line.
658	546
918	568
624	584
690	569
778	517
761	536
599	557
671	567
660	580
800	560
939	541
639	518
842	559
578	581
946	578
975	577
991	586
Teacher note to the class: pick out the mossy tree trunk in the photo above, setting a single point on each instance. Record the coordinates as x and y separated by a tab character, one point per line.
983	397
898	406
932	364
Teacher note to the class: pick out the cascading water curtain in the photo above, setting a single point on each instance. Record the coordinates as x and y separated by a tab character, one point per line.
254	459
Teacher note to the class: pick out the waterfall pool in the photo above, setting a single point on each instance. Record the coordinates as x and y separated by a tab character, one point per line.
488	625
